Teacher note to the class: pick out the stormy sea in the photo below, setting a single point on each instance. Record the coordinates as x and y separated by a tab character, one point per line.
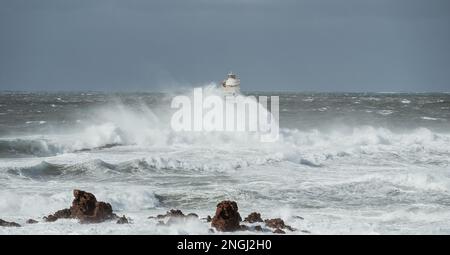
345	163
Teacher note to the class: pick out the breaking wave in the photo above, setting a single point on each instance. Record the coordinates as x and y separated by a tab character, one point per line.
46	148
312	148
137	125
37	147
42	203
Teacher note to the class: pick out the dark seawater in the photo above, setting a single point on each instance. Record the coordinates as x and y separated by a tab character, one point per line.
346	162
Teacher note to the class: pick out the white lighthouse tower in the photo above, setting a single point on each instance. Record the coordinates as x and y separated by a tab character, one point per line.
231	86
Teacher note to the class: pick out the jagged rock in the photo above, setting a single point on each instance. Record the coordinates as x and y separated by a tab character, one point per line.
258	228
253	217
50	218
227	217
171	213
275	223
123	220
278	223
61	214
278	231
4	223
192	216
31	221
174	216
83	204
86	208
208	218
175	213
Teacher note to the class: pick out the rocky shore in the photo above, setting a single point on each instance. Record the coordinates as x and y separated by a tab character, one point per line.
87	210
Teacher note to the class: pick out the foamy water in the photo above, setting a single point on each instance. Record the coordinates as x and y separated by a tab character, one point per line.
345	163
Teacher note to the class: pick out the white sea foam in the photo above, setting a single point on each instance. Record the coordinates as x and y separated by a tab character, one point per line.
350	178
406	101
385	112
429	118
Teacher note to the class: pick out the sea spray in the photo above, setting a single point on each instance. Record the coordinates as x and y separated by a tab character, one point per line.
226	113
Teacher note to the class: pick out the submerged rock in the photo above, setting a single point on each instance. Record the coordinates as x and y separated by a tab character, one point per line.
227	217
4	223
50	218
278	224
31	221
123	220
175	214
171	213
278	231
192	216
258	228
61	214
253	217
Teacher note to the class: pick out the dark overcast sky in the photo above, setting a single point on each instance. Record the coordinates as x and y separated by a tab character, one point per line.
310	45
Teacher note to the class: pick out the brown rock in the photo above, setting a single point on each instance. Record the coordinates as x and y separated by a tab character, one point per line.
227	217
61	214
50	218
84	204
253	217
278	223
31	221
171	213
123	220
175	215
103	211
275	223
258	228
86	208
4	223
278	231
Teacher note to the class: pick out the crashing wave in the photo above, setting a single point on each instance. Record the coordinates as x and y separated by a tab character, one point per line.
36	147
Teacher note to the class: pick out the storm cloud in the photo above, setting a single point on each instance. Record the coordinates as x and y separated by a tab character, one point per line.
309	45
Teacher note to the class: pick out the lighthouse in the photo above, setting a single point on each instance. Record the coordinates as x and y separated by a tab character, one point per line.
231	86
